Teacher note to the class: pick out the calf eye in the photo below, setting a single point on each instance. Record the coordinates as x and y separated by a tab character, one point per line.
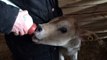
63	29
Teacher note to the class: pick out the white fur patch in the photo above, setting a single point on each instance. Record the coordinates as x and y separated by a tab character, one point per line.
41	35
61	57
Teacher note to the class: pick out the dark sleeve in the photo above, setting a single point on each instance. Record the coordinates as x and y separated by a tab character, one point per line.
8	15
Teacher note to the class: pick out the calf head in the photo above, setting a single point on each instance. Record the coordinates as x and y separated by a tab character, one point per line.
57	32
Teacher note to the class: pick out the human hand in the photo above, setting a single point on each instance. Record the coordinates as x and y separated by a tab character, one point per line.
23	23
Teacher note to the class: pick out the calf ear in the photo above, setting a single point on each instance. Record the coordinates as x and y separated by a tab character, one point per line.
86	35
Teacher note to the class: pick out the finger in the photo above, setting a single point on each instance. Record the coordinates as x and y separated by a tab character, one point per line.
25	30
16	32
25	12
21	32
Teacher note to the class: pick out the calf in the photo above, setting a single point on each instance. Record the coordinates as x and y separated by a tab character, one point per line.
62	31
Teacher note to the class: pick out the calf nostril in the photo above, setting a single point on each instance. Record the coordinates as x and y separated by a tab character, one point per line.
39	28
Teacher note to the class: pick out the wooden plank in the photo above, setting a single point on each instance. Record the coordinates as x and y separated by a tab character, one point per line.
80	5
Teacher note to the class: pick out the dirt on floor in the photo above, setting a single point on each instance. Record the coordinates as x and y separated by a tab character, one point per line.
93	51
5	53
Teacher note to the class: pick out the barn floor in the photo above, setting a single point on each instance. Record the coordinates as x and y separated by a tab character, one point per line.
93	51
5	54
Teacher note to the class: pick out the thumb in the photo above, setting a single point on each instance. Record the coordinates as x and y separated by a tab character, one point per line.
24	12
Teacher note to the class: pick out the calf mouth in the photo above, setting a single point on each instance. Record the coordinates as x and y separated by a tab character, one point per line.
38	29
